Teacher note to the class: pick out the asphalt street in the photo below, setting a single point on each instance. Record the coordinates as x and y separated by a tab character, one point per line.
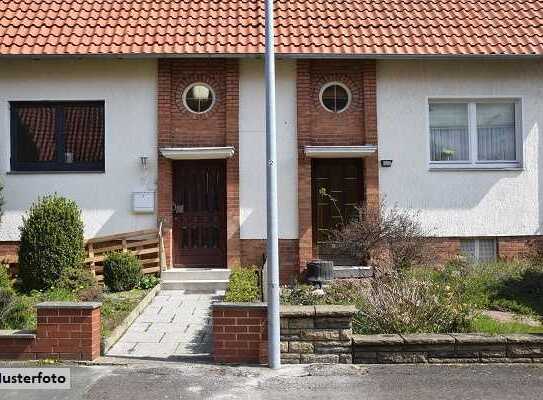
151	380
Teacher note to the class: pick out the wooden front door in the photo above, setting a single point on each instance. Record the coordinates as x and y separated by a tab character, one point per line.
340	179
199	212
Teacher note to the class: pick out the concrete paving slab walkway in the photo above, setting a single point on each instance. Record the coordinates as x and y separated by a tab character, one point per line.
174	325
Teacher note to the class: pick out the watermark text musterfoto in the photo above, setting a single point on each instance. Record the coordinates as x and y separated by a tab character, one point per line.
34	378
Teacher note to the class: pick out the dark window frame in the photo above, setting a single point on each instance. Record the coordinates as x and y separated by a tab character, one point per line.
58	165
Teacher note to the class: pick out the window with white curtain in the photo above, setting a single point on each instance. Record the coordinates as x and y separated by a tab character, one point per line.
474	134
479	250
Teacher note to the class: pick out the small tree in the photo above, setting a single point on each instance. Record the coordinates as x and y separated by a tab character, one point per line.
51	241
388	237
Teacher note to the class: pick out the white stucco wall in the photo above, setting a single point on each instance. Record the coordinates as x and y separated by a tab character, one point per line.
252	147
129	91
459	203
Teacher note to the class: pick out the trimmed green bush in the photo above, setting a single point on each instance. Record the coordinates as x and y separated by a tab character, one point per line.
244	286
51	241
76	279
122	271
16	312
5	278
148	281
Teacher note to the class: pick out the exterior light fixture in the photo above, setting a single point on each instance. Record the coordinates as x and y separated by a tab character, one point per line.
386	163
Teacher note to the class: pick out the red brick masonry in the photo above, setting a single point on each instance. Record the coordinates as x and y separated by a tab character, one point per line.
238	332
65	330
309	334
323	334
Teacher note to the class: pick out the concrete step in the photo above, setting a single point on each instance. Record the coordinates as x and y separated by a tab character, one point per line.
353	272
195	286
194	274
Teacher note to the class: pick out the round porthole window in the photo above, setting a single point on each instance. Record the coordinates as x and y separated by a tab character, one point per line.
335	97
198	98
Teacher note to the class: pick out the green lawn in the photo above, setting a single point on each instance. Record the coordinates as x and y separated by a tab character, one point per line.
117	306
484	324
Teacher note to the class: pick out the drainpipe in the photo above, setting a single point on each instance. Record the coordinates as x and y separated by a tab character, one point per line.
272	245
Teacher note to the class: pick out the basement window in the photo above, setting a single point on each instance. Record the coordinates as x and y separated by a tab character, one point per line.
57	136
479	250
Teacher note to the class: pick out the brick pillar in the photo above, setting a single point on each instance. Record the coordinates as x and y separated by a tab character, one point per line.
304	100
165	139
165	201
68	330
239	331
371	164
233	256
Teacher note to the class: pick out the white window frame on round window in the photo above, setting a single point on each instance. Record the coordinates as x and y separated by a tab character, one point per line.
335	83
186	91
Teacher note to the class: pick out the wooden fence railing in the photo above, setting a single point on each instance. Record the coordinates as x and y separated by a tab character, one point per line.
146	244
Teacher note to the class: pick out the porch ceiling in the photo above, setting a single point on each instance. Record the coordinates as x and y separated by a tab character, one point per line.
197	153
339	151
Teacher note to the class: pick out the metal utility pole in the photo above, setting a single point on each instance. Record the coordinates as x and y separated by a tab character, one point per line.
274	352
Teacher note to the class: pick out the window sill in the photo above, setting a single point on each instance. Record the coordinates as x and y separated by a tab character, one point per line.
52	172
477	167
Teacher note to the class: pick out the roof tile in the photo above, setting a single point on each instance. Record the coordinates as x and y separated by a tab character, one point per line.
162	27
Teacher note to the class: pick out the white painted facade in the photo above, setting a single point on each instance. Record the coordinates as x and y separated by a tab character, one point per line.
459	203
252	150
129	91
451	203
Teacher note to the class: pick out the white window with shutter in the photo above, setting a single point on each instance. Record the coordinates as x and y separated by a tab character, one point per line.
479	250
484	133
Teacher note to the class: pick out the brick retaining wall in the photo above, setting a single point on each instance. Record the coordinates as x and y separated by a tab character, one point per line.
65	330
309	334
447	348
323	334
238	332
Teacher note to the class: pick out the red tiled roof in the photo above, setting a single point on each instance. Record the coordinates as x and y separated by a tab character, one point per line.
368	27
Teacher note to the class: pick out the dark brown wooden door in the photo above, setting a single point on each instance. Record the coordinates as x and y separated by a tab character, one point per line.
199	212
340	179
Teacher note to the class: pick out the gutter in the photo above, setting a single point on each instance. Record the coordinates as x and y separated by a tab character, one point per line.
296	56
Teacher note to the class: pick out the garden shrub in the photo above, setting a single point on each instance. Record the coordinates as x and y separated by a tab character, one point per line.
122	271
148	281
346	291
6	298
399	303
51	241
16	312
76	279
515	286
511	306
339	291
93	293
244	286
5	277
388	237
301	295
522	293
53	294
